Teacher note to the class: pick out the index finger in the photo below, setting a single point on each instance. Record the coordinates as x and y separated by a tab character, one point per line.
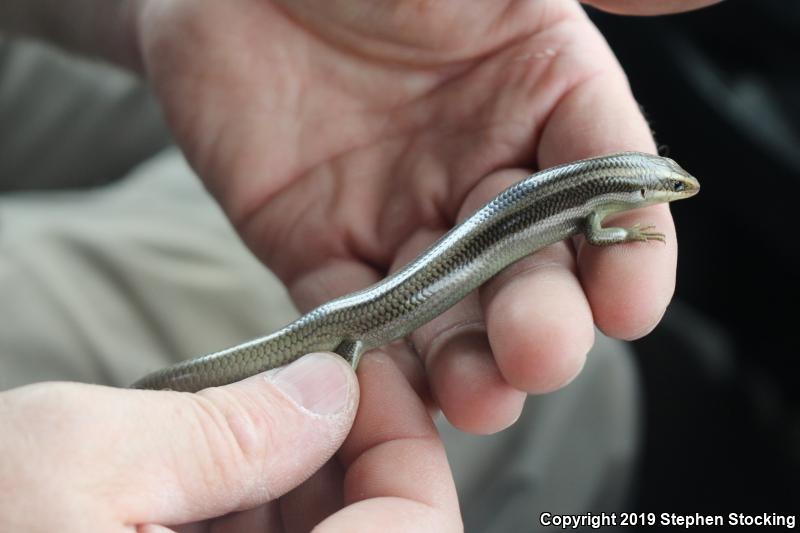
628	287
397	474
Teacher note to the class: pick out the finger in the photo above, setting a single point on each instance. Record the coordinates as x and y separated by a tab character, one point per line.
538	319
315	500
195	527
154	528
262	518
628	286
397	473
332	279
463	375
187	457
648	7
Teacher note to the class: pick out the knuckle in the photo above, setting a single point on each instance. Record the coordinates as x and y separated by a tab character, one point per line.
241	432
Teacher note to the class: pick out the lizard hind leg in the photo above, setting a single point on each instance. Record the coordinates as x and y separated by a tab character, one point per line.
351	350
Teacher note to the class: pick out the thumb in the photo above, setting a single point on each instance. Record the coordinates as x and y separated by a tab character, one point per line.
238	446
171	457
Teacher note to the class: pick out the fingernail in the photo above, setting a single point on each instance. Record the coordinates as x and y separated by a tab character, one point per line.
316	382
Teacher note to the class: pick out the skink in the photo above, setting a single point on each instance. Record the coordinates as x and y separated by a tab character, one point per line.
544	208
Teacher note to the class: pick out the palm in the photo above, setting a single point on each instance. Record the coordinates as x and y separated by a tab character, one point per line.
323	139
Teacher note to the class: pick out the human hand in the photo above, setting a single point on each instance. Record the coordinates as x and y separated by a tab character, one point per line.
343	137
86	458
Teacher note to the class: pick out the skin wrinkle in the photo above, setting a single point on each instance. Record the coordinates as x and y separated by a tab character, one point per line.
410	364
428	196
399	50
337	194
441	336
398	114
291	104
398	111
571	89
548	72
458	198
237	421
354	471
516	273
374	244
440	201
349	461
316	286
461	189
357	245
278	238
549	61
314	29
503	137
531	71
217	434
356	249
584	88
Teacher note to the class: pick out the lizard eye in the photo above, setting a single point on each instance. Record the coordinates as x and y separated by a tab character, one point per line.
678	186
643	193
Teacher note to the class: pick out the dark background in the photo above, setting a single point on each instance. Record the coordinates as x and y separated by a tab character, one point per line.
721	89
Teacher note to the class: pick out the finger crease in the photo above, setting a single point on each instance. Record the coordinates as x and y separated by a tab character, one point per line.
447	333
